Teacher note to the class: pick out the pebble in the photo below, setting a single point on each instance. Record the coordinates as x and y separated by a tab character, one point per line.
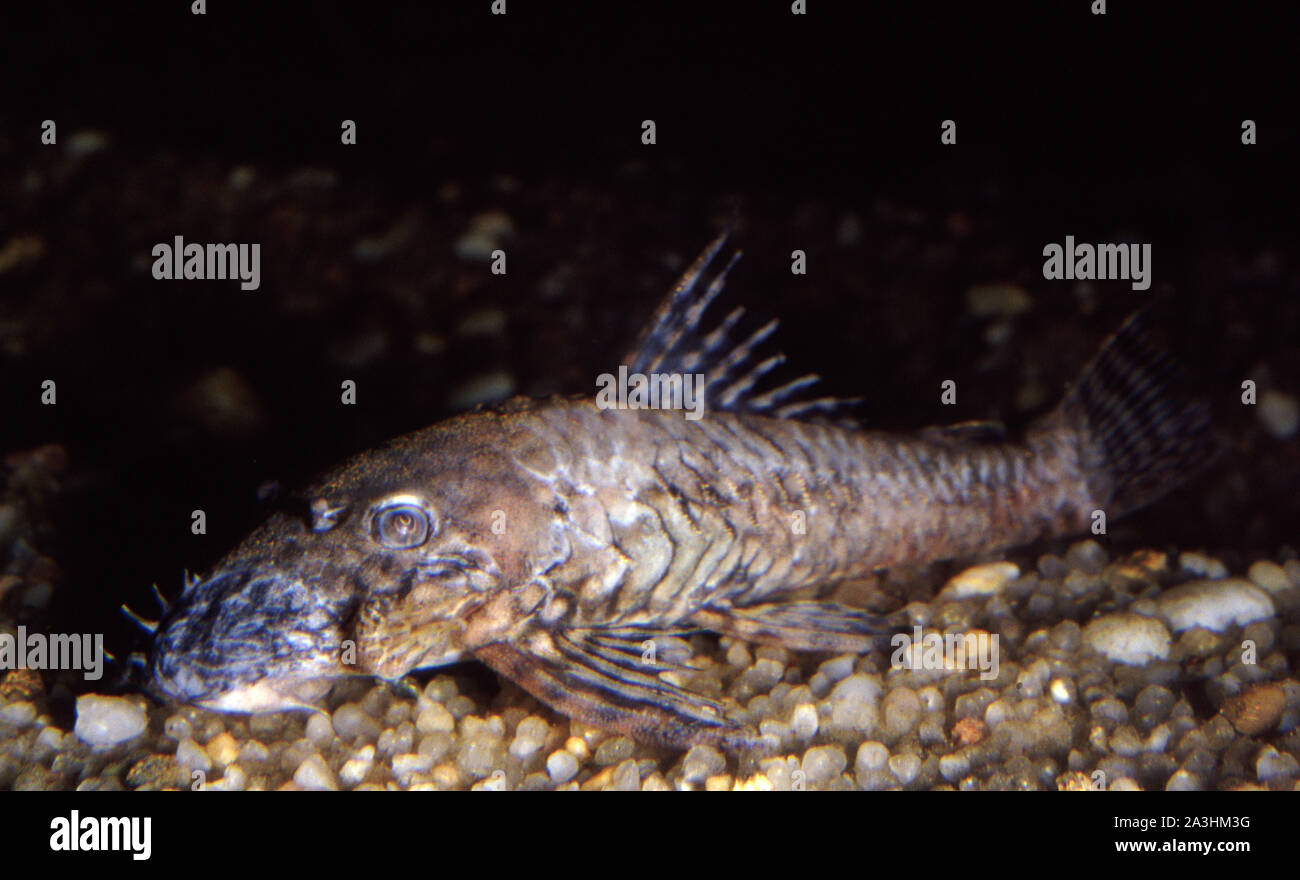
434	718
981	580
615	750
1279	413
561	766
530	736
905	767
1269	576
20	714
1202	566
1128	638
192	756
821	764
1001	299
701	762
319	729
107	721
804	721
351	723
355	769
313	774
1256	711
223	749
1215	604
1087	556
902	712
853	703
1272	765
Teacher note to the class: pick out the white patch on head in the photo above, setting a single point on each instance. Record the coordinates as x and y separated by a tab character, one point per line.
263	697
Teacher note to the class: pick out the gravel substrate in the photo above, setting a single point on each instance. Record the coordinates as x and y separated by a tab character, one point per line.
1147	671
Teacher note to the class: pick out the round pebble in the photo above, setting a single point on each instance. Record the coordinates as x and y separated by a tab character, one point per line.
561	766
1130	639
313	774
981	580
107	721
1215	604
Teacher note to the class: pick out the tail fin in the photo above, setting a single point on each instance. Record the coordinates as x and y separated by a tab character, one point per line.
1143	432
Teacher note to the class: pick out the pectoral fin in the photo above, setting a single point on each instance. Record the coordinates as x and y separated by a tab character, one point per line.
800	626
590	677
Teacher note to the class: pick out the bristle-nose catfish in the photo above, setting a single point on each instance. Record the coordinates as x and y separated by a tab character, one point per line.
554	539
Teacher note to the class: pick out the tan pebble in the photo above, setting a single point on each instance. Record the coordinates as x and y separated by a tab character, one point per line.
980	580
969	731
20	684
1257	710
599	781
721	782
223	749
757	782
578	748
446	776
1074	781
1269	575
1151	560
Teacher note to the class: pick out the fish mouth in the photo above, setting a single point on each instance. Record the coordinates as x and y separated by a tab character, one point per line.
247	641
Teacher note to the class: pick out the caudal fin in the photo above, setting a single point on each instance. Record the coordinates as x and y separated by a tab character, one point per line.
1144	432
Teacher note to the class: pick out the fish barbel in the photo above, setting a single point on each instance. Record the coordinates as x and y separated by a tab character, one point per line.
554	540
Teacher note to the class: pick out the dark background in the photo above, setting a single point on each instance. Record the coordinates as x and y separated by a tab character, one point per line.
1122	127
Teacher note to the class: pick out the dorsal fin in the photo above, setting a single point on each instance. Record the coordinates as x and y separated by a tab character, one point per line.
675	342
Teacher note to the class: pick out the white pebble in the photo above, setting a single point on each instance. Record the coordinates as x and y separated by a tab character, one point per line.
1128	638
434	718
905	767
803	721
18	714
1274	765
319	729
701	762
1215	605
530	736
406	766
107	721
314	774
823	763
356	768
192	756
872	756
853	703
981	580
561	766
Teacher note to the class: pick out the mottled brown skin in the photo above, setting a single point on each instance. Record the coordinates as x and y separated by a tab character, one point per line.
561	543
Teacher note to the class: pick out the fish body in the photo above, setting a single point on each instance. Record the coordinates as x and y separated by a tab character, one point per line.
555	539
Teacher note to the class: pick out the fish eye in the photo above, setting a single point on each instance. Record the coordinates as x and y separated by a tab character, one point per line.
401	525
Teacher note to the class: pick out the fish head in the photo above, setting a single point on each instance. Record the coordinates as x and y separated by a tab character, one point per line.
381	574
